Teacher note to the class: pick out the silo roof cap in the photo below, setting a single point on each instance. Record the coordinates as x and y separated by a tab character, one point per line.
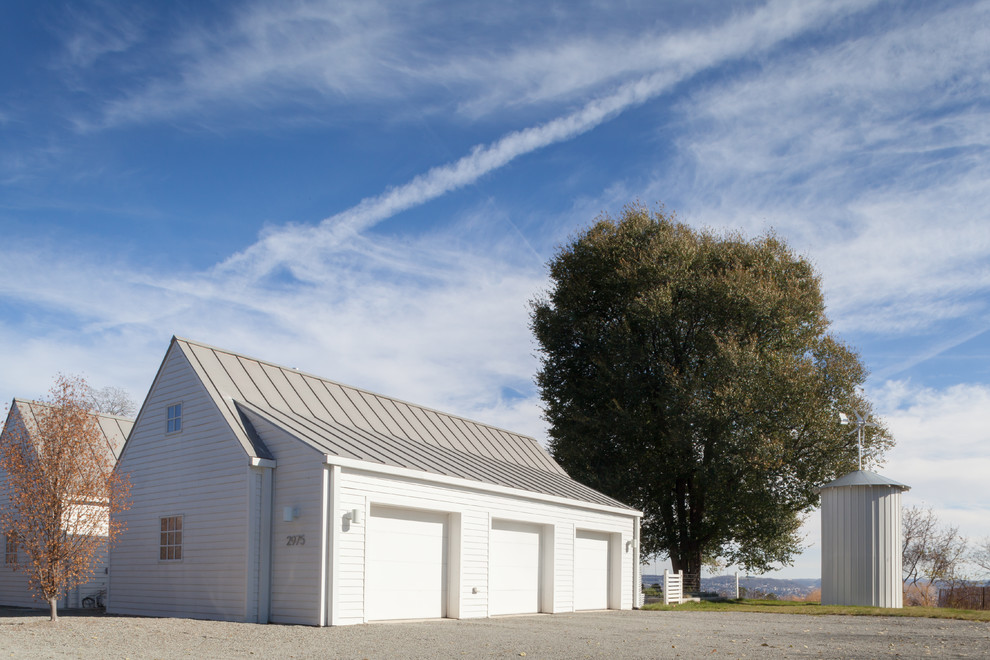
864	478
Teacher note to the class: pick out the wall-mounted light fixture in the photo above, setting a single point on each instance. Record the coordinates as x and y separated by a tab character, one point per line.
290	513
357	516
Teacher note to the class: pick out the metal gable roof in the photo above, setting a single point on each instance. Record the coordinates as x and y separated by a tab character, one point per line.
353	423
113	428
864	478
374	447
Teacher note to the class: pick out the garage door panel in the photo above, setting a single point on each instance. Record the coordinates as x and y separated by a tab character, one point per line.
406	555
514	568
591	570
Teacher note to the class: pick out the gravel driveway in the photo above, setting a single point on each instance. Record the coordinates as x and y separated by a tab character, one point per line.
636	634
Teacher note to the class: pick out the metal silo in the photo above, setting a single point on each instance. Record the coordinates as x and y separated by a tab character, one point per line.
861	541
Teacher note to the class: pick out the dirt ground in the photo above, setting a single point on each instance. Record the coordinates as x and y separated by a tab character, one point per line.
636	634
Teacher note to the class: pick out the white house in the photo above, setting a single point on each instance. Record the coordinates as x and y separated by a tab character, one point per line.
14	590
262	493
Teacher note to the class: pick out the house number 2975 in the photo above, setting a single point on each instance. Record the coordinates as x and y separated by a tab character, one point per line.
295	540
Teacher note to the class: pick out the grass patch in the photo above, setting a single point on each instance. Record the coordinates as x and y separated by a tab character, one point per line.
815	609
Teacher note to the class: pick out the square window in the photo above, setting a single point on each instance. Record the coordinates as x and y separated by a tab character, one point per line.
174	418
170	539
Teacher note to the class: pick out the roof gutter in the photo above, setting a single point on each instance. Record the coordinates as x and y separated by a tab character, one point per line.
365	466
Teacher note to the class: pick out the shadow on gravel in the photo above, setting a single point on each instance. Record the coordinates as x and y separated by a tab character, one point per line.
45	613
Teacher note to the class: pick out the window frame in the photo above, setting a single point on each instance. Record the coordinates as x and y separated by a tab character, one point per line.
173	418
9	550
170	540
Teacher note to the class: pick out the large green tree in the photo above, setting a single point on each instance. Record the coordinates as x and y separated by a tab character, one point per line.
692	375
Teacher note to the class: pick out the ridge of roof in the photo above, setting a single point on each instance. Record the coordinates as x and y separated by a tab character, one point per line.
33	402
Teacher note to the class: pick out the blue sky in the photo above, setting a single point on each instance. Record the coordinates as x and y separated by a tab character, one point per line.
371	191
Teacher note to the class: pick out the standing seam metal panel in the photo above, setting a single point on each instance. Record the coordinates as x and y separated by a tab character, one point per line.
861	546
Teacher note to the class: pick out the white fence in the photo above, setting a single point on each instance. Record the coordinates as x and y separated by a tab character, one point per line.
673	587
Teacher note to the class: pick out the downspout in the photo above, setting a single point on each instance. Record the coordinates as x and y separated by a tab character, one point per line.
265	574
267	468
330	612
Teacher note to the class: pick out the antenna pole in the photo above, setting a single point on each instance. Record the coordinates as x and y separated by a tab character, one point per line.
861	422
859	441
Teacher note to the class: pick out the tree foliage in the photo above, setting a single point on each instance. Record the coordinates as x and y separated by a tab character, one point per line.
693	376
60	487
931	553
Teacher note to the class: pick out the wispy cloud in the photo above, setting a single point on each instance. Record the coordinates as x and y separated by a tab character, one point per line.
101	29
924	419
266	56
940	452
400	316
295	247
321	54
869	155
360	305
780	125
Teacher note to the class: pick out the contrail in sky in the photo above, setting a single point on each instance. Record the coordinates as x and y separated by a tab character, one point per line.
294	246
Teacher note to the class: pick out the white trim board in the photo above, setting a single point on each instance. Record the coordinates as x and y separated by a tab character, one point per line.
419	475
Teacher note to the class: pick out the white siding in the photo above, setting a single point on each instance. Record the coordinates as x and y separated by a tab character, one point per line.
13	584
350	568
563	596
298	484
474	509
200	473
14	588
475	526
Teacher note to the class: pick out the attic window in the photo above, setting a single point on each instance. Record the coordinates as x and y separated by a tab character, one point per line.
170	546
174	418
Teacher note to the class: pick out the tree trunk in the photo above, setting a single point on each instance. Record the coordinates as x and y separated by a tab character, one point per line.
689	562
53	604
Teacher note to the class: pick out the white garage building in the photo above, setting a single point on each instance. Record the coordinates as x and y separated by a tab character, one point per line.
261	493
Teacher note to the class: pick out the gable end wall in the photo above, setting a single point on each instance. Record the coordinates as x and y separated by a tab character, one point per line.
200	473
13	585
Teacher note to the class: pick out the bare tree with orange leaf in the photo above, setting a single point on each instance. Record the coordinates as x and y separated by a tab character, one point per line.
59	490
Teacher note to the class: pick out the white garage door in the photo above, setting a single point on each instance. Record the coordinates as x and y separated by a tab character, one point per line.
515	568
406	570
590	571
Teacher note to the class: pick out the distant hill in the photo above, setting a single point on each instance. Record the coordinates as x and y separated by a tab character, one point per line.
725	585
